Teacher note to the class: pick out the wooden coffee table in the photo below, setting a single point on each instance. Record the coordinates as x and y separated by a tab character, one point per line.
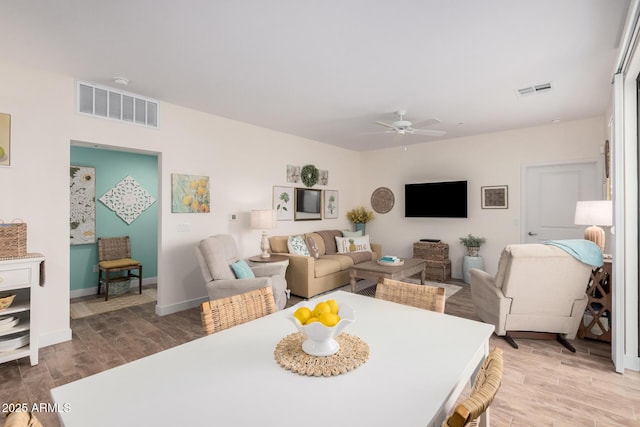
374	271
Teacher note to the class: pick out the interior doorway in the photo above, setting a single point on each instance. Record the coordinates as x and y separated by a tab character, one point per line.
140	171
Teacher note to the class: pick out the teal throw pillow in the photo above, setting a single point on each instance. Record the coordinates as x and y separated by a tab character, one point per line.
241	270
347	233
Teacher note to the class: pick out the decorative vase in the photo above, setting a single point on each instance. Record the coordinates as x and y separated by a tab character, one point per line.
361	226
473	250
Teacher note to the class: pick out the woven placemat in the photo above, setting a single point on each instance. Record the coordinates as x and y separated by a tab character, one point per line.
289	354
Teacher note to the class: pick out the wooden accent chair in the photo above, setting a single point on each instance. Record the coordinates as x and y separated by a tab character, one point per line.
485	387
224	313
114	255
421	296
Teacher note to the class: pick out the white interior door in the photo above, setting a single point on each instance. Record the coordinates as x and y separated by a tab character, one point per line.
550	193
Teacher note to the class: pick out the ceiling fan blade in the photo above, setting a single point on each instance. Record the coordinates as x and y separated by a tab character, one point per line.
427	123
385	124
382	132
429	132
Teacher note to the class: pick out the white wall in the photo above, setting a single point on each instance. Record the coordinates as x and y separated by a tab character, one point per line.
483	160
243	162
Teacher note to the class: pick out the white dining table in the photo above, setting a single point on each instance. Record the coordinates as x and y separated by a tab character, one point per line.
419	363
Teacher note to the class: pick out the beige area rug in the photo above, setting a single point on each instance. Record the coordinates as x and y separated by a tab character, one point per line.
368	287
82	309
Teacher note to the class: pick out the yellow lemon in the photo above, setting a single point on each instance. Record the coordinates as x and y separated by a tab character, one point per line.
321	307
329	319
311	320
333	304
303	314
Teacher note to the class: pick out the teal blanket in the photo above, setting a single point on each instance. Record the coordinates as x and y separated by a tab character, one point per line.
583	250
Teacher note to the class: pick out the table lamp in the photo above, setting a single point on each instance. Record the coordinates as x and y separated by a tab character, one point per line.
263	219
594	213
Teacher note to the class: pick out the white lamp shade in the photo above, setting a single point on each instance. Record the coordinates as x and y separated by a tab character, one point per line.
263	219
594	212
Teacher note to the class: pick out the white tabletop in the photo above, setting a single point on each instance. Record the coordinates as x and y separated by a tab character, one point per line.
419	361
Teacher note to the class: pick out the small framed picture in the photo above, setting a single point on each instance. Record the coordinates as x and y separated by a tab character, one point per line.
495	197
283	202
330	204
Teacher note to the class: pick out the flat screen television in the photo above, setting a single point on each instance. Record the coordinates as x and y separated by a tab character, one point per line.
447	199
308	204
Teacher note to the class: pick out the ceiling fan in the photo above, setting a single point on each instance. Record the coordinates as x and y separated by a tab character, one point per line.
402	126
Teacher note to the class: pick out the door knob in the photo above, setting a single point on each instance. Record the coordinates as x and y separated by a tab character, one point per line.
532	234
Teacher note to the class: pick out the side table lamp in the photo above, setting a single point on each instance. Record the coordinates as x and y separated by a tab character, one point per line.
263	219
594	213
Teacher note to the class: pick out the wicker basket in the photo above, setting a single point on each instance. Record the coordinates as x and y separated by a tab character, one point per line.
13	239
6	301
431	251
439	271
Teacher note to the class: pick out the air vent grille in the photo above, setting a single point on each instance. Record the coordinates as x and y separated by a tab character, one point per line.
100	101
534	89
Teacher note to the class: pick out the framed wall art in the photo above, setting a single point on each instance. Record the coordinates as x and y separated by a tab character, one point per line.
5	139
82	219
190	194
283	203
495	197
330	202
128	199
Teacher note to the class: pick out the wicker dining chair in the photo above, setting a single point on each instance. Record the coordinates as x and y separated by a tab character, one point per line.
484	389
223	313
421	296
114	256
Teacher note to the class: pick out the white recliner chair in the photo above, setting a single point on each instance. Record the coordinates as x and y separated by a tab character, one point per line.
216	254
538	288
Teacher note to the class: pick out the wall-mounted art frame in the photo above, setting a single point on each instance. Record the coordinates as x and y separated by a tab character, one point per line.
128	199
5	139
283	203
308	204
330	203
190	193
495	197
293	173
82	219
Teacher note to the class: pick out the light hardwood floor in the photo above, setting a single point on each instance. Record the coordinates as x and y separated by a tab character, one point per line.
544	384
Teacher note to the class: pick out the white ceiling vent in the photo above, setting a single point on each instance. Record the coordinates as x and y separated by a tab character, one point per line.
530	90
101	101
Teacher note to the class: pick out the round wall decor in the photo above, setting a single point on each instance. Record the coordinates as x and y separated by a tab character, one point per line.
309	175
382	200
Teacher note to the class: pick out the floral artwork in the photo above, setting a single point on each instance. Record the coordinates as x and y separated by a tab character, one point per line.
323	177
330	204
190	194
82	220
283	203
293	173
127	199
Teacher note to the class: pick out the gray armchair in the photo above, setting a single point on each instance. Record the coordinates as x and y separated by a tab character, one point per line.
216	254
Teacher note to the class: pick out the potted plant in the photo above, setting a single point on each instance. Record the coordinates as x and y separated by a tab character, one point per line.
472	243
360	216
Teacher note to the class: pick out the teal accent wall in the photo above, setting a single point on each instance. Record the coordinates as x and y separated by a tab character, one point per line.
111	168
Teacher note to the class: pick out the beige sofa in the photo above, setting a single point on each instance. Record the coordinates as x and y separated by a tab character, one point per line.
307	276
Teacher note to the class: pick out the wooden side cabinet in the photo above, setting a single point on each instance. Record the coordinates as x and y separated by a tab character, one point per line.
19	322
596	323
